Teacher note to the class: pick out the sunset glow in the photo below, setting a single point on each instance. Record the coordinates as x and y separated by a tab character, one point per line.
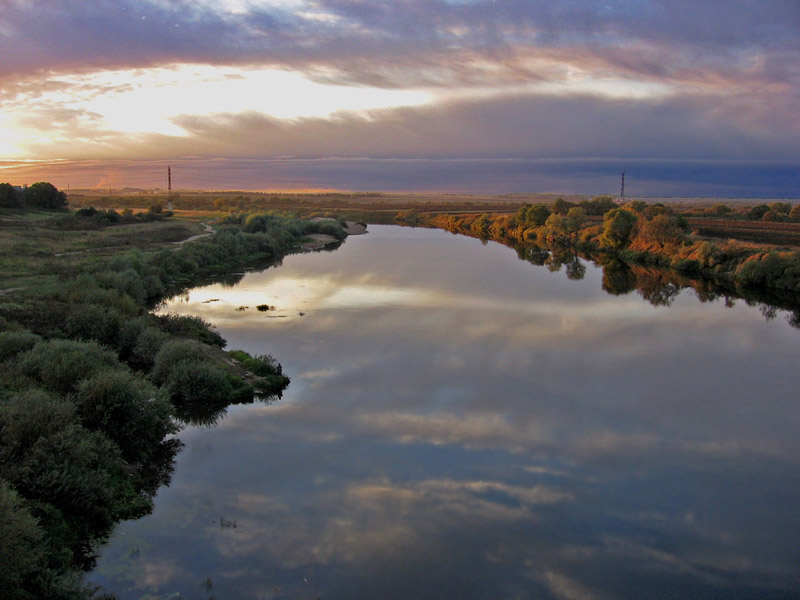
626	82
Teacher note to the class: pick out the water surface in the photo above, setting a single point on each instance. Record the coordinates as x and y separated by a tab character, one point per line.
463	424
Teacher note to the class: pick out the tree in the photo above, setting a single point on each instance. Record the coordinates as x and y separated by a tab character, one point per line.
45	195
662	229
9	197
794	214
636	205
719	209
781	208
20	544
555	224
561	206
480	226
757	212
574	220
129	410
618	225
599	205
576	269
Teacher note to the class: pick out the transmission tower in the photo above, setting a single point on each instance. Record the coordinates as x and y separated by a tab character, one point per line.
622	190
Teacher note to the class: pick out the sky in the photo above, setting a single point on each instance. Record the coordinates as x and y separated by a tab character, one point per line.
483	96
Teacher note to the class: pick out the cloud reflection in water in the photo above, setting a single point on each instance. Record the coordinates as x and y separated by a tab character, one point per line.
463	424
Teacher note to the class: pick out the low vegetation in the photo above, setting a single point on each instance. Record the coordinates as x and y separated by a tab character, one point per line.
94	385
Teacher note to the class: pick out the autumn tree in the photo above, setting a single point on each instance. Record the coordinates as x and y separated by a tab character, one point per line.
662	229
561	206
576	217
618	227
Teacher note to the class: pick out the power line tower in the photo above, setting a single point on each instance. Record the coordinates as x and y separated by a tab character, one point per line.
622	190
169	188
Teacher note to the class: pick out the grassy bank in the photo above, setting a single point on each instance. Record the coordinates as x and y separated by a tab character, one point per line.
94	385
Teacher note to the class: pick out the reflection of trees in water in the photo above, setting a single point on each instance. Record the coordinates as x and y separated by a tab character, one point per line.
157	471
232	279
150	475
657	291
554	259
660	286
618	279
576	270
210	412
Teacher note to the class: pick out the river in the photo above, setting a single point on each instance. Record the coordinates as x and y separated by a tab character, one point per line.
464	424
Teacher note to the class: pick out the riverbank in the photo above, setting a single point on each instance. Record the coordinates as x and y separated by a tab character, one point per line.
93	383
647	235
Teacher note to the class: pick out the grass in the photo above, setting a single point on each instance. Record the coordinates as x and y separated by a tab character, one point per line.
34	251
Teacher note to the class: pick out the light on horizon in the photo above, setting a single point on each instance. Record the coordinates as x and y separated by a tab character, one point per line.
85	107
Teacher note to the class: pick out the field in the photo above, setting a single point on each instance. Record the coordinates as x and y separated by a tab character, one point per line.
760	232
37	245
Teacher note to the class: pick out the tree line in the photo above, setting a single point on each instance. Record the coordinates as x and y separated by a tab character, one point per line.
637	232
39	195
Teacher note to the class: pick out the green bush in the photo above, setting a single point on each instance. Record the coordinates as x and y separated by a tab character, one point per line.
60	365
260	364
187	326
15	342
93	322
48	457
148	343
174	352
21	552
6	325
198	381
129	410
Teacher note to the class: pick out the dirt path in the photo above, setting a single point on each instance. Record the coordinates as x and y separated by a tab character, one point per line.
209	232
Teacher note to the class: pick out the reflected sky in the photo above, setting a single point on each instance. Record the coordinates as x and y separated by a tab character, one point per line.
461	423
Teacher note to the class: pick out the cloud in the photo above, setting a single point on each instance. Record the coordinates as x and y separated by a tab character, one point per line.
398	43
510	79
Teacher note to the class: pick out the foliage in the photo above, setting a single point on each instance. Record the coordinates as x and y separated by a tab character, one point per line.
719	209
618	227
598	206
532	216
9	196
82	437
189	326
92	322
560	206
781	208
45	195
758	212
197	380
575	219
260	364
16	342
662	229
60	365
174	352
49	458
131	412
21	552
